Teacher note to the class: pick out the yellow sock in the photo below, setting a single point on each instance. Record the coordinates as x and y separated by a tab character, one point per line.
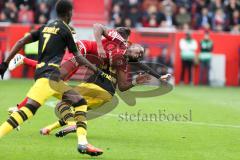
82	135
80	118
71	123
15	120
5	128
53	126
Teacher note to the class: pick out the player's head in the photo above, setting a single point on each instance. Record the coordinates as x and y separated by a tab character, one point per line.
134	52
124	32
64	10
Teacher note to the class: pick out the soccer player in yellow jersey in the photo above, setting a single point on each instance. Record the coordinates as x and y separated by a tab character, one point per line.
53	39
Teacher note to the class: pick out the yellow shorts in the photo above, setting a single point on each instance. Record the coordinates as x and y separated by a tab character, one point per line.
44	88
93	94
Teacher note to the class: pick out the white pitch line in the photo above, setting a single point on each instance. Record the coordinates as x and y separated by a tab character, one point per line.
52	104
189	123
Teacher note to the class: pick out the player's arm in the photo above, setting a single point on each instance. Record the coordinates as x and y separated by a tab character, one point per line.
69	68
110	34
18	46
33	36
124	84
72	47
82	60
148	69
152	72
99	31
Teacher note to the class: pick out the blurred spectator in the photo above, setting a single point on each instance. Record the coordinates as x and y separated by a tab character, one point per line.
133	2
183	17
169	9
30	3
25	15
42	19
219	20
153	18
151	21
184	3
135	16
235	19
198	6
206	46
3	17
235	29
203	19
188	47
169	6
128	23
117	22
116	14
216	5
116	11
185	28
232	6
42	13
10	11
219	15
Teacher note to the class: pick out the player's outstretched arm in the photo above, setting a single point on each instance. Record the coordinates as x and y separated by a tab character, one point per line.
99	31
149	70
16	48
124	84
83	61
152	72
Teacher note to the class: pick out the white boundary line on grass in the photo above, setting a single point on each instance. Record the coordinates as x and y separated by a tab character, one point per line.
52	104
189	123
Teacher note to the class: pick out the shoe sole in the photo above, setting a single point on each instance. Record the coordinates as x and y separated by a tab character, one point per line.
90	153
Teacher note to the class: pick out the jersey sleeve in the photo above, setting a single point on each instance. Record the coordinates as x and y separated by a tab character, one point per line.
36	33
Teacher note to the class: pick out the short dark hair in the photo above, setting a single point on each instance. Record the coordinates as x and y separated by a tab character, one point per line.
63	7
124	31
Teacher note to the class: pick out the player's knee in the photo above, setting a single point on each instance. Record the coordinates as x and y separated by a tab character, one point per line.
32	105
81	102
72	98
32	108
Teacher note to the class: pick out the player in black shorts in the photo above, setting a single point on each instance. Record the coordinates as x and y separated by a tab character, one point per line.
53	39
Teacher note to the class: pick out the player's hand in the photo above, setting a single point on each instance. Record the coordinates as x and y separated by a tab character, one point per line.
166	77
101	52
3	68
143	78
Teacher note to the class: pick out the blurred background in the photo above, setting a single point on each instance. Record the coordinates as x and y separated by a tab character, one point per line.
198	40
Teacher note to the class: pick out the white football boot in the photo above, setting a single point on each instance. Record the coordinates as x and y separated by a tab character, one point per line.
16	61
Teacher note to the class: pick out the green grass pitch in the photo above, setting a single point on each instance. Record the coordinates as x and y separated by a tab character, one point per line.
213	133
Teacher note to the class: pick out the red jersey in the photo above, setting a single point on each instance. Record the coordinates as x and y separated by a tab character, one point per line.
114	46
